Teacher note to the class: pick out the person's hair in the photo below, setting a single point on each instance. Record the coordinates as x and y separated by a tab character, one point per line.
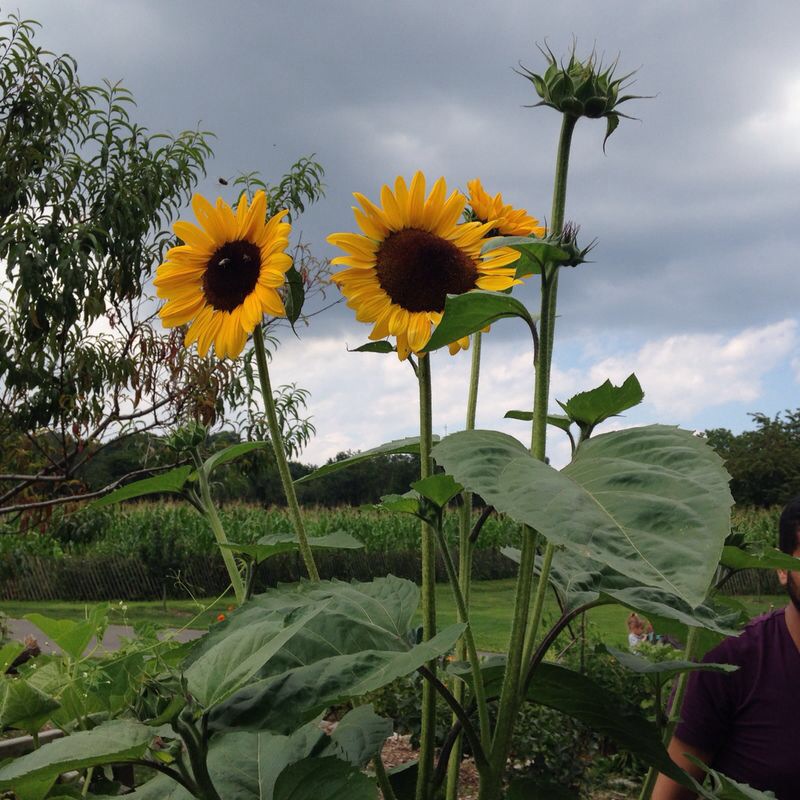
789	526
634	621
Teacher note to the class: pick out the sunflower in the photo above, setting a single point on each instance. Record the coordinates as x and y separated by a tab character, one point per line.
226	275
509	221
411	254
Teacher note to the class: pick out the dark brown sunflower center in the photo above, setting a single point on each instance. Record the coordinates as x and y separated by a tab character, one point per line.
231	274
418	269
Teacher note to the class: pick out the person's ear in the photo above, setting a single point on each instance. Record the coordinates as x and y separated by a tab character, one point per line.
783	576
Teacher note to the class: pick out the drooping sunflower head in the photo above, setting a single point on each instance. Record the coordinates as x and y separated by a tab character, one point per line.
510	221
411	253
226	274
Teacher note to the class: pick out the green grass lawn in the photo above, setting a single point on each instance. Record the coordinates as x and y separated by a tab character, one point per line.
492	605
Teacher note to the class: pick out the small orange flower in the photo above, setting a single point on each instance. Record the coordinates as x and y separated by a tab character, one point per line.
220	618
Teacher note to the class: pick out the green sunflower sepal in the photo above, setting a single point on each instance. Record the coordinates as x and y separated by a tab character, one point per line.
535	254
582	89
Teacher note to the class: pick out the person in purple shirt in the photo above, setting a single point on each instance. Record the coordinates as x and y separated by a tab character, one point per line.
744	723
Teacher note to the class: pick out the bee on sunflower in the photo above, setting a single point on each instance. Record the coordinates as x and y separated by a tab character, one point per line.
226	274
412	252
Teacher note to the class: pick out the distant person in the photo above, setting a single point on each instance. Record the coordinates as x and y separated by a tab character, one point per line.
744	723
637	632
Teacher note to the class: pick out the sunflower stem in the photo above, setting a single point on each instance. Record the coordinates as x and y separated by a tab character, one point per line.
276	435
209	510
520	629
465	547
428	543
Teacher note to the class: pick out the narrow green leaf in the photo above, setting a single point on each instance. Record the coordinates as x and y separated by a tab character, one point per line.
666	669
409	446
171	482
375	347
736	558
230	453
523	416
276	543
295	295
473	311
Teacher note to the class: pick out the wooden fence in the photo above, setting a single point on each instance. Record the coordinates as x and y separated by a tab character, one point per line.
98	578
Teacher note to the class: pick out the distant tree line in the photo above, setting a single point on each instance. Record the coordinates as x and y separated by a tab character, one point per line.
764	463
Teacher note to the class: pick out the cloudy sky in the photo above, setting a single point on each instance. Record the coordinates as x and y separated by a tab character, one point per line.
696	207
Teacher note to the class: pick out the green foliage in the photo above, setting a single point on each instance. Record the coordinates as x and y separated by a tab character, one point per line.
764	463
651	502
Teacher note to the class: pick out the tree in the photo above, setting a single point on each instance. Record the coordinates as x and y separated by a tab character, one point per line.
764	463
86	199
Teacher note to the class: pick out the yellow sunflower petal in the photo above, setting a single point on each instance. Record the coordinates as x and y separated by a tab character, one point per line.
416	200
195	237
433	205
253	221
394	214
369	225
270	301
209	219
419	331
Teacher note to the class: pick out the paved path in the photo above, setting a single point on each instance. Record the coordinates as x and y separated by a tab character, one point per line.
18	629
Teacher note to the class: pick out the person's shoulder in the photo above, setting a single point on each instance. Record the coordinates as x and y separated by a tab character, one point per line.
758	633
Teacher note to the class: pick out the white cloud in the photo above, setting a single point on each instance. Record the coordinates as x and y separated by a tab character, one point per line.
682	375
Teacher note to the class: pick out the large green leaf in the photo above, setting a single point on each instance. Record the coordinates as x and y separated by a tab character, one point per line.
226	667
588	409
111	743
171	482
409	445
71	636
534	253
581	581
8	653
245	766
24	706
580	697
282	702
439	489
373	615
275	543
473	311
653	502
324	779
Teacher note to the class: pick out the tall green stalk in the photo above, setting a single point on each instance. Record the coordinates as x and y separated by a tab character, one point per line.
276	435
427	739
520	630
465	548
210	512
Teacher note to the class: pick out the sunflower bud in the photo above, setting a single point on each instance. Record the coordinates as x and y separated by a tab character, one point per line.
581	89
187	438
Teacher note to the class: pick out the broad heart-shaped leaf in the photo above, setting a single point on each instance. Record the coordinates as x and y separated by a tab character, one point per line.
245	766
282	702
71	636
275	543
588	409
580	697
473	311
8	652
581	581
736	558
171	482
664	669
377	615
23	706
375	347
295	295
324	779
439	489
652	502
409	445
230	453
110	743
228	666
